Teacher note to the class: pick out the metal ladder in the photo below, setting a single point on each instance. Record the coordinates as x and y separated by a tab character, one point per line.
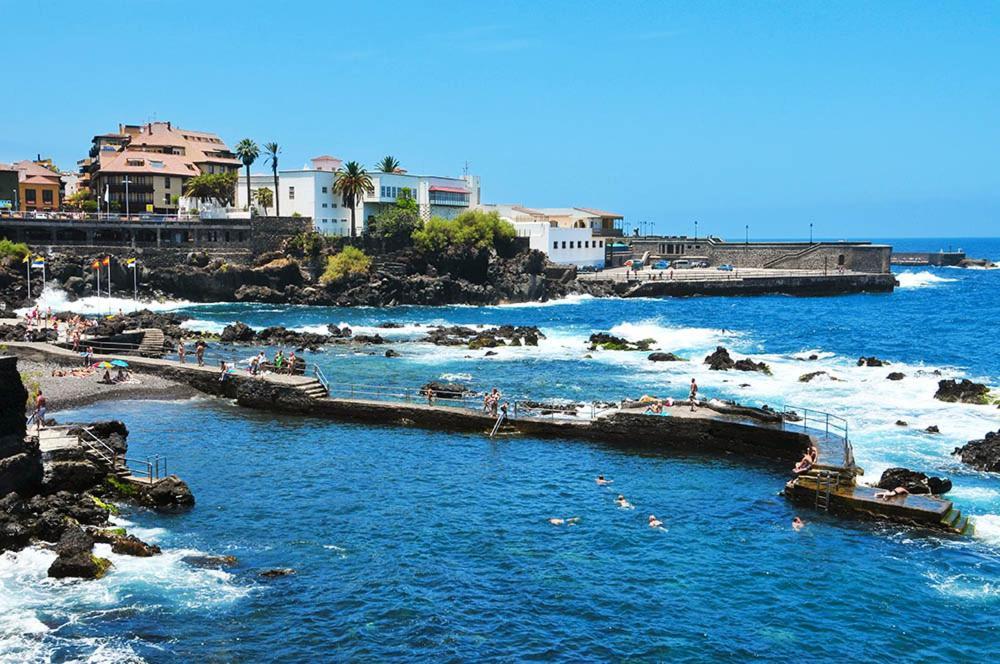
496	427
825	482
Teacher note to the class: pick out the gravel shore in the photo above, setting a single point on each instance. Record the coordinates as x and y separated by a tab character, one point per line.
69	391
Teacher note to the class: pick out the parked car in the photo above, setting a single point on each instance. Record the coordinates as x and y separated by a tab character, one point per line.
700	264
661	265
681	264
726	267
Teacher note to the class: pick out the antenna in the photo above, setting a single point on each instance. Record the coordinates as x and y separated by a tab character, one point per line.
465	169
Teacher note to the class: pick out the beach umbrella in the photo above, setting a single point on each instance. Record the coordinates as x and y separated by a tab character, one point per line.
104	365
120	363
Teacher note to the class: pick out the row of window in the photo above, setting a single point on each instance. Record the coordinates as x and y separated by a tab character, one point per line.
395	192
448	197
584	244
31	196
326	221
138	179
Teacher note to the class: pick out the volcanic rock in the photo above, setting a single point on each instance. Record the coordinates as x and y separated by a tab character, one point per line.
275	573
896	375
982	454
664	357
932	429
168	495
237	332
445	390
871	362
719	360
913	481
805	378
964	391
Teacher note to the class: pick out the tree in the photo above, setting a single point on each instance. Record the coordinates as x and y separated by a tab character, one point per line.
389	164
264	198
272	151
394	227
352	182
407	201
217	186
248	152
78	198
350	261
472	228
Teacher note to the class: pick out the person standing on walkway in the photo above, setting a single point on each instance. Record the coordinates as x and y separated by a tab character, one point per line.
181	352
40	404
199	352
694	393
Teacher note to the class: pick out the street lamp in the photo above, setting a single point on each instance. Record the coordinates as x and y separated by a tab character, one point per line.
810	232
696	229
748	235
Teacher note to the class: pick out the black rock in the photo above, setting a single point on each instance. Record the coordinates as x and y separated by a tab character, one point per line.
896	375
275	573
238	333
805	378
391	353
964	391
719	360
445	390
933	429
982	454
871	362
913	481
901	423
210	562
168	495
664	357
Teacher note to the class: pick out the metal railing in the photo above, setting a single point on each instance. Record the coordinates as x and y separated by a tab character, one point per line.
701	274
321	377
809	420
121	217
151	469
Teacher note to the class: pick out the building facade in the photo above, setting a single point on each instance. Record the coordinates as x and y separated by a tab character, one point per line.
143	168
560	237
38	186
308	192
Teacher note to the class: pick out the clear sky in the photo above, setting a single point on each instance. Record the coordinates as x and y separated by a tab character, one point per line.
869	119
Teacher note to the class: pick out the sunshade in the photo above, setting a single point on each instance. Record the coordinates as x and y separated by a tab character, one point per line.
104	365
120	363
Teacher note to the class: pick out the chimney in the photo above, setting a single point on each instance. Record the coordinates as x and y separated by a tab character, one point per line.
168	125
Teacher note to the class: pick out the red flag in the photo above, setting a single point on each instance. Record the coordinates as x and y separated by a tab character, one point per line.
106	261
96	265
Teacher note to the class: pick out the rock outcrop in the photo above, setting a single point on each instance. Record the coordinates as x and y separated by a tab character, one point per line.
664	357
982	454
20	460
871	362
895	375
445	390
76	558
913	481
605	341
964	391
720	360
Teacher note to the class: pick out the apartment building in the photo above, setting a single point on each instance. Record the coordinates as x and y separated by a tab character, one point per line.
152	162
31	186
560	237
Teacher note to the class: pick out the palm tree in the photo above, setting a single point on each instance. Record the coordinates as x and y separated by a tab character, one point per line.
352	183
264	197
389	164
248	152
272	150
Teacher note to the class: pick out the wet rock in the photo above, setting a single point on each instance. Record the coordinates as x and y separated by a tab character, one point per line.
210	562
445	390
485	341
489	353
664	357
168	495
75	558
390	325
604	341
391	353
339	332
982	454
901	423
130	545
369	339
871	362
913	481
238	333
719	360
746	364
964	391
806	377
275	573
896	375
932	429
73	476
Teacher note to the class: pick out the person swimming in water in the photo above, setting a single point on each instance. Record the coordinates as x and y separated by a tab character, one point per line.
601	481
654	522
798	524
571	521
623	503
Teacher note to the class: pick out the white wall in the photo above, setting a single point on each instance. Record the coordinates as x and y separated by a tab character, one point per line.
310	200
568	246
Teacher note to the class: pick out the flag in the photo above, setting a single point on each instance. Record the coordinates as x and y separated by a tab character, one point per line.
107	193
27	257
106	261
130	262
38	262
96	265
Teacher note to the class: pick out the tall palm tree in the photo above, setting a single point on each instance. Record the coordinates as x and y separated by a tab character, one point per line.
248	152
272	151
352	182
264	198
389	164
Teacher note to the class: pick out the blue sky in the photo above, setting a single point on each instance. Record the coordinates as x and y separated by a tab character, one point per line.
869	119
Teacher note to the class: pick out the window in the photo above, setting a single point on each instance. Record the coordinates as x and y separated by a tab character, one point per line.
383	193
324	191
334	206
555	245
571	244
166	182
291	193
29	196
324	205
166	198
601	243
47	196
564	244
586	244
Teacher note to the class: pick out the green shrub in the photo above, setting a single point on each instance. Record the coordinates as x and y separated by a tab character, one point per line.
472	228
348	262
10	249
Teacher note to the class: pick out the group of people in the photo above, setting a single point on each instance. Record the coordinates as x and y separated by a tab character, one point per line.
620	501
492	405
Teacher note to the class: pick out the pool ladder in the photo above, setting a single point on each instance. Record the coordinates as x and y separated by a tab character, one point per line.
826	482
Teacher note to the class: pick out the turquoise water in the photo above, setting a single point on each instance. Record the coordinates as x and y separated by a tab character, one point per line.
421	545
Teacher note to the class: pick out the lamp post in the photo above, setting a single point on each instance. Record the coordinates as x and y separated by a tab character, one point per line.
126	182
810	232
17	206
696	229
747	235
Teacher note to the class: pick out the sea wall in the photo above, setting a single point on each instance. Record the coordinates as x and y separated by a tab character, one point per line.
854	256
834	284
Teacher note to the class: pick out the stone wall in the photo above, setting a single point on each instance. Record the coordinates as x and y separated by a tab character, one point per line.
20	461
267	233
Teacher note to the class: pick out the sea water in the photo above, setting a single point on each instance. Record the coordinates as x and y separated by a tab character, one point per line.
426	545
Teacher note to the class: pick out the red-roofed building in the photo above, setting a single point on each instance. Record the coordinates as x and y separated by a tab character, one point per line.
38	186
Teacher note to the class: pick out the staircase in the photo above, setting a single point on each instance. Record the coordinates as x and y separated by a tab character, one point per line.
774	262
313	389
954	520
397	268
152	343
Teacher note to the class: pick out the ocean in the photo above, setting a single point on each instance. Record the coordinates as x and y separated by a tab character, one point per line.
420	545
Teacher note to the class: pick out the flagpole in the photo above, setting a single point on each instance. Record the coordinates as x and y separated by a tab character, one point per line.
43	273
135	281
27	266
98	271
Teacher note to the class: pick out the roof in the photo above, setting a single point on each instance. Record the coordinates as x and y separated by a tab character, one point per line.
454	190
600	213
32	173
173	164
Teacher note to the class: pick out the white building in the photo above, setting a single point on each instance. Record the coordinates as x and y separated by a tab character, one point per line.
565	245
309	193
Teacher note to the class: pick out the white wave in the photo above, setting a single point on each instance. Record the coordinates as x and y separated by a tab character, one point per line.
569	300
199	325
921	279
57	299
976	494
964	586
988	528
311	329
451	377
674	338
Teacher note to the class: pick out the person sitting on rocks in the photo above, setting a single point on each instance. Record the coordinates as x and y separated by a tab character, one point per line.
807	462
106	378
889	495
223	370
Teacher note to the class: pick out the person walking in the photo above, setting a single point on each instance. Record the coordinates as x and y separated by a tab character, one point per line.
40	404
181	352
694	393
199	352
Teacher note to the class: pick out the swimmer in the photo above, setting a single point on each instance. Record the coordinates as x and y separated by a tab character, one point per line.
571	521
624	504
654	522
797	523
601	481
